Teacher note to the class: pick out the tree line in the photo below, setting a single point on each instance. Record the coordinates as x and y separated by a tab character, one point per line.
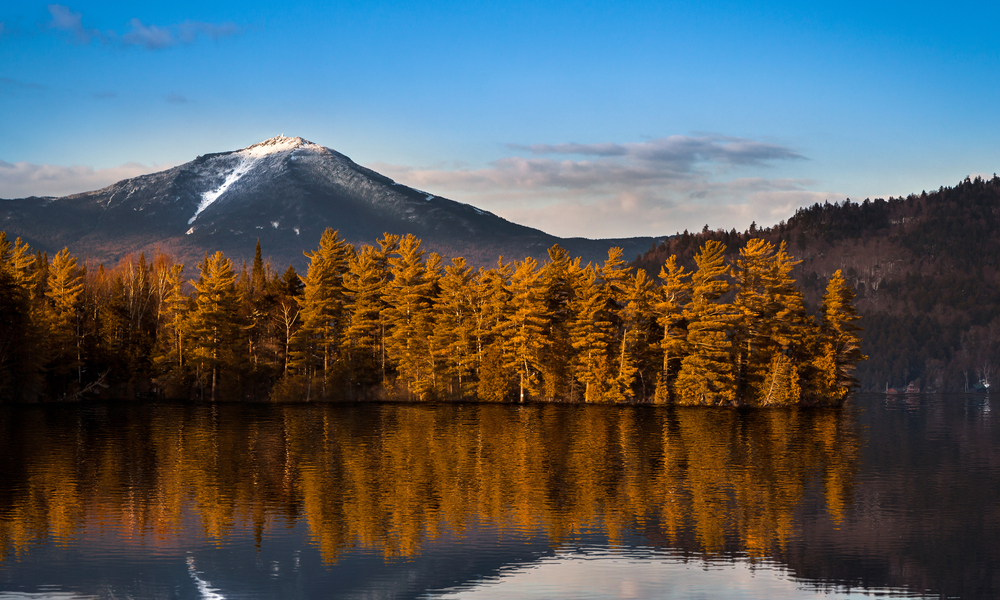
391	321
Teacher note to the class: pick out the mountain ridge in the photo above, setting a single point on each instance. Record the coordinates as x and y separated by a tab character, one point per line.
283	191
925	269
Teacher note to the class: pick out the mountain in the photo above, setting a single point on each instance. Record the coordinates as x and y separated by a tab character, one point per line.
283	191
926	271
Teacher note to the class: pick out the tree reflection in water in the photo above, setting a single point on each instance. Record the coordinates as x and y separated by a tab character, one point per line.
391	478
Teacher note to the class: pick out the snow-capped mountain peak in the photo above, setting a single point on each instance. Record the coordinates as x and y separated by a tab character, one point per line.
278	143
248	159
284	192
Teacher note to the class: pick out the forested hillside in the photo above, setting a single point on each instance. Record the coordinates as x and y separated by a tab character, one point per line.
924	268
388	321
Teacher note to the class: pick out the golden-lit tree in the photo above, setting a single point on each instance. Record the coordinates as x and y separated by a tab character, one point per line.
706	375
453	340
524	333
839	346
364	336
669	304
316	346
215	330
408	298
62	315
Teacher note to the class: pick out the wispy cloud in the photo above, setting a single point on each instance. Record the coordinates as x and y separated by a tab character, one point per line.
22	179
677	153
64	19
149	36
105	95
624	189
176	99
189	31
6	82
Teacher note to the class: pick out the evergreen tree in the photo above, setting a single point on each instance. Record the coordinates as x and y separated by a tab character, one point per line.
19	260
492	305
454	329
62	317
364	336
39	278
557	280
408	311
258	275
524	333
772	327
669	307
634	357
590	335
839	346
15	321
170	357
706	375
215	330
317	343
290	284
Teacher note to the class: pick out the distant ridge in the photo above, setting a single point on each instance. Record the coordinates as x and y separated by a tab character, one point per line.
284	191
926	271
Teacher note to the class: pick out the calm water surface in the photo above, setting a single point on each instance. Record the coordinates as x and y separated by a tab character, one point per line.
898	497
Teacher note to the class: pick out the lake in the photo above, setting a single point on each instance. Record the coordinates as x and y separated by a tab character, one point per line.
897	496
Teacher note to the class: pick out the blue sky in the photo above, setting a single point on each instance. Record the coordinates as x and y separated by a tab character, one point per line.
586	118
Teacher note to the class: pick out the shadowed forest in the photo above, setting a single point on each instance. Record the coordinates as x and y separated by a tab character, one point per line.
925	269
389	322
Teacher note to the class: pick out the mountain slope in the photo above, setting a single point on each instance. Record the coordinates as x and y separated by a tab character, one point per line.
926	271
284	191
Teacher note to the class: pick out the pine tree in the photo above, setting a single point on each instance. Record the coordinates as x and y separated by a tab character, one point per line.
408	312
669	307
492	305
39	278
524	333
170	357
590	335
454	329
15	321
706	375
259	306
839	345
317	343
214	327
615	277
364	284
19	260
62	316
557	280
772	321
258	276
615	280
492	308
637	323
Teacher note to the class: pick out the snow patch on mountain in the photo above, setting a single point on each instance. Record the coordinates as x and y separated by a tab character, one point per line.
270	151
211	196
